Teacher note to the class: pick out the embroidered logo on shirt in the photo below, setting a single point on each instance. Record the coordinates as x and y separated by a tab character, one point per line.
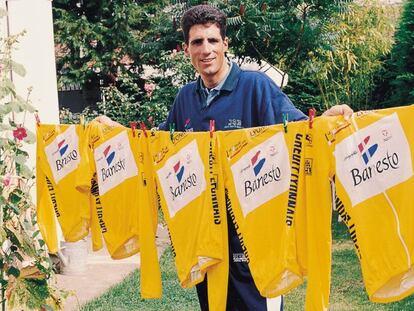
233	124
187	126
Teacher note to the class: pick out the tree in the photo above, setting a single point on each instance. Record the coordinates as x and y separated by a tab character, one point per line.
298	36
402	59
345	66
109	44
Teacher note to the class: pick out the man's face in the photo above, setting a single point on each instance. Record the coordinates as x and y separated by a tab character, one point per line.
206	49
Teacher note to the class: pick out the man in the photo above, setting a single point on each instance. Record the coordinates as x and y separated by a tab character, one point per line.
234	99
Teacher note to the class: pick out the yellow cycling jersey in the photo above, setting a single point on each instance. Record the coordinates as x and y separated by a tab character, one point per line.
264	178
58	162
373	167
188	193
110	174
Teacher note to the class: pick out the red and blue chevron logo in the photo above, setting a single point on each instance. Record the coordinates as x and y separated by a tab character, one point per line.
62	147
257	164
365	151
179	170
109	156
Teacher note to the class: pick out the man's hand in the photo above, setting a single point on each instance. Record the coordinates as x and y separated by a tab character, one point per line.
338	110
107	121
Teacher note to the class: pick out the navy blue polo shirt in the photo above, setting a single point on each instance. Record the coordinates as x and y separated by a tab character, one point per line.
246	99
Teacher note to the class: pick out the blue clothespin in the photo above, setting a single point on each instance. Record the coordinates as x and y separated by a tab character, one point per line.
172	130
285	121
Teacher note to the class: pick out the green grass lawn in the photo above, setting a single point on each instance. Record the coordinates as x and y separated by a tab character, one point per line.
347	289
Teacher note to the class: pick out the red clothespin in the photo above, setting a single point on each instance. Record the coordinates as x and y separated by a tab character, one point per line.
143	128
37	118
133	127
312	112
212	127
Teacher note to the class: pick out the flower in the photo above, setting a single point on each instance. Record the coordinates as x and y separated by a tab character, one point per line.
149	88
6	180
20	133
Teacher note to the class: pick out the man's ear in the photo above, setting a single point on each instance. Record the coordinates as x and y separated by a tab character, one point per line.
185	47
226	44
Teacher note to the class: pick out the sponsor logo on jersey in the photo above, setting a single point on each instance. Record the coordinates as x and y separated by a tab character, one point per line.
367	152
64	158
62	147
308	166
178	136
187	183
309	140
160	155
48	135
111	168
109	155
179	171
262	173
296	154
331	135
114	162
182	178
257	131
384	159
235	149
63	153
257	164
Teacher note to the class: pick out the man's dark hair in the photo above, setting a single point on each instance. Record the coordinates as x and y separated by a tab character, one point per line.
203	14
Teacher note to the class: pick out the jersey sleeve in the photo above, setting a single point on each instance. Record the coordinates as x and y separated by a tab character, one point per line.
318	215
86	181
218	274
148	219
45	215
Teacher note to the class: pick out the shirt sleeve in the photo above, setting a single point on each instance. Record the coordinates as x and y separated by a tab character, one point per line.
275	103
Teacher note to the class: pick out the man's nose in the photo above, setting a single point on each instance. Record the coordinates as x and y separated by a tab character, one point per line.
206	47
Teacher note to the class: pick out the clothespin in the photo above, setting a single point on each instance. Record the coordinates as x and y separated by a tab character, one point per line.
172	130
143	128
212	127
37	118
285	122
82	120
312	112
133	127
